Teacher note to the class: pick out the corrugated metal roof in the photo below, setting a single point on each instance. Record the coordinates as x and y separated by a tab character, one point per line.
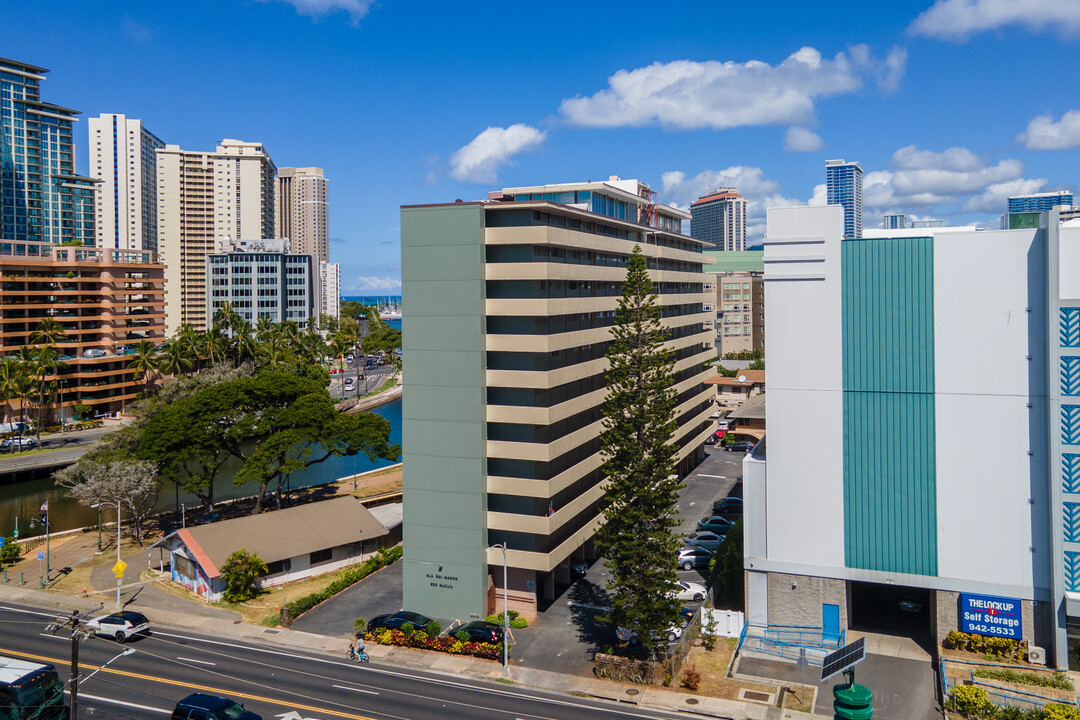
283	534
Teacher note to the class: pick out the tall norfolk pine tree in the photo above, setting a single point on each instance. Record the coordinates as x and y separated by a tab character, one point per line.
639	505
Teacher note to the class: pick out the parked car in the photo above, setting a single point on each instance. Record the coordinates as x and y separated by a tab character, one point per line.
691	557
683	590
743	446
686	615
93	353
394	621
723	424
119	626
719	525
708	539
711	440
910	605
626	635
481	631
718	413
19	443
727	506
199	706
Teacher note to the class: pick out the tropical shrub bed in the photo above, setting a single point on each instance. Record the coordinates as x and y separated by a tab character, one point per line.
1057	681
972	701
994	646
422	640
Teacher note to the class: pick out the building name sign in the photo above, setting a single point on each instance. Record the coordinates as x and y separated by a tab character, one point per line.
987	615
438	580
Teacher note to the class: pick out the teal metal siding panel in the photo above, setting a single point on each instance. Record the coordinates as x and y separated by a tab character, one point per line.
890	512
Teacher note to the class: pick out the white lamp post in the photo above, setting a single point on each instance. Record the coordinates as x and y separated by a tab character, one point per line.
506	612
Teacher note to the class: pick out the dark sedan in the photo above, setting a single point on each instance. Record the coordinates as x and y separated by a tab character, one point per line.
742	446
481	631
727	506
394	621
717	524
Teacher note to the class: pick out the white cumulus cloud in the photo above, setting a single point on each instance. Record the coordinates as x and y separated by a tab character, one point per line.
373	284
357	9
957	20
994	198
680	191
685	94
1043	133
801	140
479	161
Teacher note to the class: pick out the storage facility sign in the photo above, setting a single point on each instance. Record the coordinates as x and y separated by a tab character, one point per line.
989	615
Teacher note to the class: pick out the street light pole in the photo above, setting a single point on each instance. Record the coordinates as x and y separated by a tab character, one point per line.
506	612
119	576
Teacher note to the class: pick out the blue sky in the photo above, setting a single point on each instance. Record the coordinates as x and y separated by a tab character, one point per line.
949	106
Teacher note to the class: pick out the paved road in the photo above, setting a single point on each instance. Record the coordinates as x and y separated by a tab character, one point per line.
373	380
274	682
65	448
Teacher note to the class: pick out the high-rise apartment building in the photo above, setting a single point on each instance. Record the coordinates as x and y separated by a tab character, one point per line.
895	221
509	310
124	161
843	186
41	197
301	213
928	342
106	300
719	218
1040	202
331	288
204	197
262	278
740	300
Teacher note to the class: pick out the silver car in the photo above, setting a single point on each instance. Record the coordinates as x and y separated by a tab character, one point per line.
692	557
706	539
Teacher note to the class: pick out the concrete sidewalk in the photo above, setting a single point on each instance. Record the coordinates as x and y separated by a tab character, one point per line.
655	698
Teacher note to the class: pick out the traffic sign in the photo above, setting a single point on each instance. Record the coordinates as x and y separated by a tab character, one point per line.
40	555
119	568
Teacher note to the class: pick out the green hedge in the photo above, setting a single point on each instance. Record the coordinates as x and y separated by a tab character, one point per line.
1057	680
346	578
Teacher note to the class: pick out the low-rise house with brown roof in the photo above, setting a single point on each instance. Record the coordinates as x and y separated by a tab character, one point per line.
294	543
745	384
749	418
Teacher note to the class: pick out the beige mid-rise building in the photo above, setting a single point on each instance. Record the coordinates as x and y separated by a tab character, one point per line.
301	215
740	300
203	197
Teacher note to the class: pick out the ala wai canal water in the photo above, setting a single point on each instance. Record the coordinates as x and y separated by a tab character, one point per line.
23	500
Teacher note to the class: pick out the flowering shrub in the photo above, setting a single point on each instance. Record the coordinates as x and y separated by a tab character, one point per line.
423	641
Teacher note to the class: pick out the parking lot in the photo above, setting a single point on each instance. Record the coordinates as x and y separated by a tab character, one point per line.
566	633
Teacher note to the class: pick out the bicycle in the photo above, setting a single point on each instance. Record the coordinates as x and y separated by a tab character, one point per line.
351	654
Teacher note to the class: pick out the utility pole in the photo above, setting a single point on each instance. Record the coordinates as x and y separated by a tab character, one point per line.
78	632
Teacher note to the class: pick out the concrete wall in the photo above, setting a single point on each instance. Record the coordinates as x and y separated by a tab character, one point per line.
797	599
443	430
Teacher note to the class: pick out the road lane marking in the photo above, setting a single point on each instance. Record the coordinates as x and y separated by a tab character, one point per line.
84	696
201	662
195	686
355	689
716	477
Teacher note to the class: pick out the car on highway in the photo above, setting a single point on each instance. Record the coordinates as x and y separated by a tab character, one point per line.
743	446
199	706
19	443
691	557
715	523
119	626
706	539
394	621
683	590
480	631
727	506
350	383
349	358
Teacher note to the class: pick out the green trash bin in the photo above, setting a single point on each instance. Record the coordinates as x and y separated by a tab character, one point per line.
852	702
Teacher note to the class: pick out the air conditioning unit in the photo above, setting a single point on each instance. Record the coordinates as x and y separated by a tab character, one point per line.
1036	655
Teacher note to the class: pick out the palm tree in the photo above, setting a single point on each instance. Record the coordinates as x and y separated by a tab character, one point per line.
264	327
214	345
339	345
227	319
189	340
48	358
244	344
23	388
49	331
10	370
145	361
175	359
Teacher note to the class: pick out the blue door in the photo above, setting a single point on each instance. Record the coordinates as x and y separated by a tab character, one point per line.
830	622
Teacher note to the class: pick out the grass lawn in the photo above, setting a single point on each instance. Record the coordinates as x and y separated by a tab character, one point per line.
713	665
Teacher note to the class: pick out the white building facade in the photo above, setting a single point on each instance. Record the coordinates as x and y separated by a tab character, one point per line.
263	279
944	366
330	274
124	161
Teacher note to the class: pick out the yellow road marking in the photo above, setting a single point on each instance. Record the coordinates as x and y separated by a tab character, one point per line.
60	662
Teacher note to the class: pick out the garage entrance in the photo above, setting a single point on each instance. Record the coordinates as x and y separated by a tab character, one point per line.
892	610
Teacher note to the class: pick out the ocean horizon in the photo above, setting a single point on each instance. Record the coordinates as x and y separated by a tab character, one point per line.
373	299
